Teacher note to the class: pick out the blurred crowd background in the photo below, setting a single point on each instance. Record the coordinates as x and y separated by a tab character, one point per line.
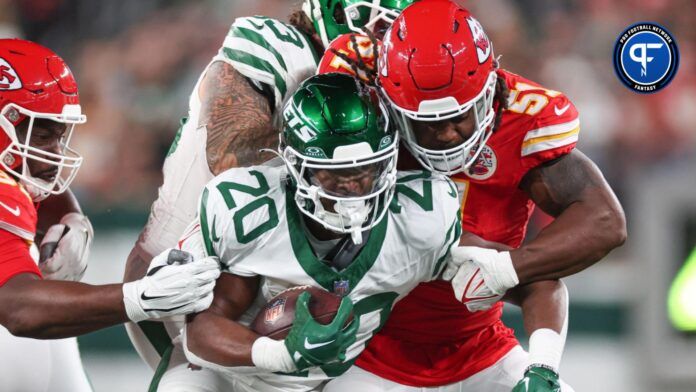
136	62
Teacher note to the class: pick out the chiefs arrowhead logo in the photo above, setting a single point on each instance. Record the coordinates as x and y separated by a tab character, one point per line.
485	165
481	41
8	77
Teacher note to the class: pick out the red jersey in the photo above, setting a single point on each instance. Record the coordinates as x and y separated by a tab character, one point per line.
17	229
431	339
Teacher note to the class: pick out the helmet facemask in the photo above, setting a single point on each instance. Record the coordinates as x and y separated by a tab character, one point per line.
459	158
320	195
16	158
333	18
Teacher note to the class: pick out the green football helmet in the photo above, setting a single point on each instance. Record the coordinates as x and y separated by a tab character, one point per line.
332	18
340	151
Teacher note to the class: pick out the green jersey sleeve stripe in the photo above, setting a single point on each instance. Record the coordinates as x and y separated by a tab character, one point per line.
205	229
259	40
260	64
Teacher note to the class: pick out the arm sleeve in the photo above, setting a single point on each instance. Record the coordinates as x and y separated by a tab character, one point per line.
553	133
15	257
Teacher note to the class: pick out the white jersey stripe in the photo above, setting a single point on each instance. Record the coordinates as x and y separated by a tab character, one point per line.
552	129
550	144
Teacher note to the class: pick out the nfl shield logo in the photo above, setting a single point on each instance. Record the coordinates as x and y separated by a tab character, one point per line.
274	310
341	287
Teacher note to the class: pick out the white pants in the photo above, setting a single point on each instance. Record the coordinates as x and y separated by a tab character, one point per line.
502	376
32	365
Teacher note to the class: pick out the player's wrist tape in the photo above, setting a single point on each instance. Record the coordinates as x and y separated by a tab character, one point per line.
540	365
272	355
502	272
546	348
134	311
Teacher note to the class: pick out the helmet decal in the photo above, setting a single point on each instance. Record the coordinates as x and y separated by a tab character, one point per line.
481	41
8	77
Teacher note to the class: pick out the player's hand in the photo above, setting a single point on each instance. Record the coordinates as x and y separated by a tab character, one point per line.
538	379
313	344
480	277
64	250
175	284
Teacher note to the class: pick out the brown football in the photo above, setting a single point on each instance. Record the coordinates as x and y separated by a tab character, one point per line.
275	318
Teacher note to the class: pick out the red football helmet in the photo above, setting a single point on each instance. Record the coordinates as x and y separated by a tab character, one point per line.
36	84
437	63
330	62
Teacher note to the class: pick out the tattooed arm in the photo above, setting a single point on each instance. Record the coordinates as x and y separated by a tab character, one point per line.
589	219
237	117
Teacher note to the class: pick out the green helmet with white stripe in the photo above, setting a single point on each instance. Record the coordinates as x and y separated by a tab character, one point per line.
341	152
332	18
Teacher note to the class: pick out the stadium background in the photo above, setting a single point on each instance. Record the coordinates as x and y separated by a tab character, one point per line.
137	60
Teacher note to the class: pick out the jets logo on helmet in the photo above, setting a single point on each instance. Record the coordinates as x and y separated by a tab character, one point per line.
8	77
340	153
483	45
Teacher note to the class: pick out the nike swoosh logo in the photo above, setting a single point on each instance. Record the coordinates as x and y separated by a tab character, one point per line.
471	290
147	298
310	346
14	211
559	112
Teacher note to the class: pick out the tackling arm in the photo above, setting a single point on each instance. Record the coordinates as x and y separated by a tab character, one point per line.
544	306
174	285
45	309
589	219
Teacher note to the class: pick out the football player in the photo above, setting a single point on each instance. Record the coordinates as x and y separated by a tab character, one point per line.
335	215
234	112
509	144
39	108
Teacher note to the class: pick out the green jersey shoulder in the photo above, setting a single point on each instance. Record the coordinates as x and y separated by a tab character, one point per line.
238	210
244	209
270	53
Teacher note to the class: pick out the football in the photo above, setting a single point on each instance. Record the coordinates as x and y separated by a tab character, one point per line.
275	318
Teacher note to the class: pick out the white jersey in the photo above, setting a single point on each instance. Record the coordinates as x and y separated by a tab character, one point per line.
249	220
276	57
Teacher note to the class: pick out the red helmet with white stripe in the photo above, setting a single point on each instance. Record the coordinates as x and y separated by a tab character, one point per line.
437	64
36	84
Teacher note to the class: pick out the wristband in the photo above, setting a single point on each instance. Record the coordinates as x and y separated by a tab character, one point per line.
272	355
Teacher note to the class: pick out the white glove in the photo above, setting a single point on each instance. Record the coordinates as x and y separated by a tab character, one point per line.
64	250
175	284
480	277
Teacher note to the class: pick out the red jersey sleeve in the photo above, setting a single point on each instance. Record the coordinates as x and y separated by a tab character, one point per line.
17	211
553	131
15	257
